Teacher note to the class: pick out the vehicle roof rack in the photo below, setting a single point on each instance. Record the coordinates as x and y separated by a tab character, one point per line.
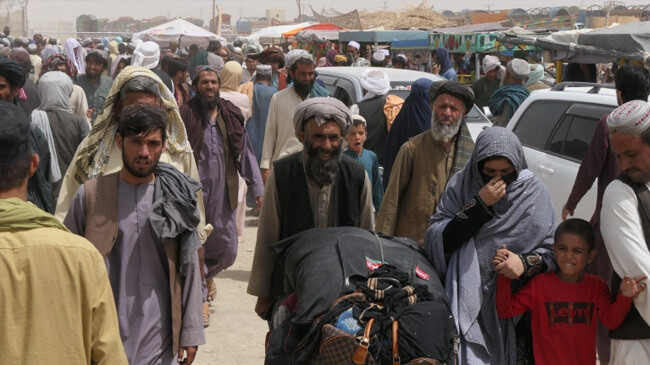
595	88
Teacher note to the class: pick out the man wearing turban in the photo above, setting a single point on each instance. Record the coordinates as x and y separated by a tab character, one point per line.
426	162
624	224
487	85
316	187
378	109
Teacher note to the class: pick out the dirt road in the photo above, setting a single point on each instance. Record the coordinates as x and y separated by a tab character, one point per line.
236	334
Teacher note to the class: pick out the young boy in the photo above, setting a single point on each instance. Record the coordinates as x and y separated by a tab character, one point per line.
355	138
564	304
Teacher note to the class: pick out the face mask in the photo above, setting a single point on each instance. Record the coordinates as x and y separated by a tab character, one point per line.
508	179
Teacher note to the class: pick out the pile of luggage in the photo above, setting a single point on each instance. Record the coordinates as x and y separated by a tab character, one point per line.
359	298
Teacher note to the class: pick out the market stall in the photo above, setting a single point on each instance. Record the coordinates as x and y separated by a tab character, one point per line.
182	30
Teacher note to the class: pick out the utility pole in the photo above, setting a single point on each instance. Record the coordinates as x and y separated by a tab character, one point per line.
385	5
489	6
299	11
214	21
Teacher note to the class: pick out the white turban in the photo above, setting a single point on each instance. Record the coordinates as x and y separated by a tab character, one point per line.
323	110
490	63
375	82
384	52
296	54
146	55
632	118
354	44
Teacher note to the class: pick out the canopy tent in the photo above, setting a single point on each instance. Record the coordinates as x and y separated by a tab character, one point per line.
276	31
419	42
378	37
182	30
475	42
315	27
308	35
629	41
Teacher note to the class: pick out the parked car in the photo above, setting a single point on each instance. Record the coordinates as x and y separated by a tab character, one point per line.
555	127
344	83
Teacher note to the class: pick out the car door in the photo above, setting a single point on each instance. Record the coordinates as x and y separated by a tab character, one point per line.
564	152
534	128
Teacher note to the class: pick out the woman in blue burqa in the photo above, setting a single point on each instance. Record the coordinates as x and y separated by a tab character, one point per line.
493	201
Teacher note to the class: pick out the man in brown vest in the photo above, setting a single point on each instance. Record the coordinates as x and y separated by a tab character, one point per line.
625	224
143	221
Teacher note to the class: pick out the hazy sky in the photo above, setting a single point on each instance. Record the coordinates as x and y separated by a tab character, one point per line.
68	10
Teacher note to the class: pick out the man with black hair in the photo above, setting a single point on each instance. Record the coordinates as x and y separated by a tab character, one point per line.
143	220
95	85
39	189
280	135
632	83
222	150
57	293
32	99
178	71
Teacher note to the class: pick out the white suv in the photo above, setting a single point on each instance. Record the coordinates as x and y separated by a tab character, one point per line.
555	127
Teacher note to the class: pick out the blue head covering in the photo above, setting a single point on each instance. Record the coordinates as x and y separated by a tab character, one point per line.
105	42
118	39
413	119
442	58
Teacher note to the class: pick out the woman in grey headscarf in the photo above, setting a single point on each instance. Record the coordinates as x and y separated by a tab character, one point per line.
493	201
63	130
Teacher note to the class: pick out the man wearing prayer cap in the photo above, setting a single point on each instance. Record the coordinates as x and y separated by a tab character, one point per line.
261	95
39	188
94	83
487	85
352	51
632	83
378	59
426	162
279	135
507	99
316	187
624	224
377	109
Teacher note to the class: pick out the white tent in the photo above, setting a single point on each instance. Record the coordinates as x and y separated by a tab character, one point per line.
182	30
276	31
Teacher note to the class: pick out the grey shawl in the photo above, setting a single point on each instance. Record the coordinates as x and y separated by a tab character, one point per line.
524	221
54	89
175	212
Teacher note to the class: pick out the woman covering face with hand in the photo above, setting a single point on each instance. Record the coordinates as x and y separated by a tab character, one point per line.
493	201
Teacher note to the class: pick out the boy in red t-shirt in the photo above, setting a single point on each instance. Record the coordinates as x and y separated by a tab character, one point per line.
564	303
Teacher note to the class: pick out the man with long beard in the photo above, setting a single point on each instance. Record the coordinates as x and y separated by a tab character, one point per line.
216	132
426	162
317	187
279	135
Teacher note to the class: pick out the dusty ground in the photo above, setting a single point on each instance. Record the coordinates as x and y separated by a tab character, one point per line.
236	334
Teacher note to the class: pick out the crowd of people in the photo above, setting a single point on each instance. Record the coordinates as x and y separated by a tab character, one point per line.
127	170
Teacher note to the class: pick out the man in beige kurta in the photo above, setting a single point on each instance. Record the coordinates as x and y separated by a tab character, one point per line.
425	163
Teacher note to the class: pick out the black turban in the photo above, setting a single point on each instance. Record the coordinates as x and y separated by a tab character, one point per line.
457	90
11	70
433	89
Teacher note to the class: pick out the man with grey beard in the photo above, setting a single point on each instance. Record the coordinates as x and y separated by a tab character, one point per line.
426	162
317	187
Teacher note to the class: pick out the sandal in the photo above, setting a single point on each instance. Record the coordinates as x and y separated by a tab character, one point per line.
212	290
206	314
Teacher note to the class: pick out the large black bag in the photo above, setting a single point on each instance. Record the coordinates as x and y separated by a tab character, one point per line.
321	264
